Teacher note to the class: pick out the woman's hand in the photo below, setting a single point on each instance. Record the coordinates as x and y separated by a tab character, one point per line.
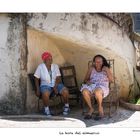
109	74
88	83
106	69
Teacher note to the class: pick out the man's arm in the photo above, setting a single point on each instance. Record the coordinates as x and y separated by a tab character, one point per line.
57	81
37	91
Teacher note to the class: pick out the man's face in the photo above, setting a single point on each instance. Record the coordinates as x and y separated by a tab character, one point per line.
48	61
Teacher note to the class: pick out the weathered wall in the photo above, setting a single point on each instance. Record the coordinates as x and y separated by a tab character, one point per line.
80	36
12	64
123	20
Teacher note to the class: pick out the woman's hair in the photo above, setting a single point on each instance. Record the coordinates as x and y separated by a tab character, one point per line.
105	63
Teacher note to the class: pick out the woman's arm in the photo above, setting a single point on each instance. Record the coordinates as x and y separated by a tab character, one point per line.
87	76
109	74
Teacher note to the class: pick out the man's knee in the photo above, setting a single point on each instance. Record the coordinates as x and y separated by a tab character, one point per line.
65	92
46	94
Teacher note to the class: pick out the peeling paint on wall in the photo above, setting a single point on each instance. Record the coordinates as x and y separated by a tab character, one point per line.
13	98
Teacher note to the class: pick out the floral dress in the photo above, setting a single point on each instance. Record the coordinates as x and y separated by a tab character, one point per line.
97	80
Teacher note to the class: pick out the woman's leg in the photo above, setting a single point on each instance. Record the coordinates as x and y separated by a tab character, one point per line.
99	97
87	97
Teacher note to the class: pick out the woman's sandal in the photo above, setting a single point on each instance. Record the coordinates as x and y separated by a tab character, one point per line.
98	117
88	116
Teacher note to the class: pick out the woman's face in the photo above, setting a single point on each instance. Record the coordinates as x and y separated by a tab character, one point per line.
98	62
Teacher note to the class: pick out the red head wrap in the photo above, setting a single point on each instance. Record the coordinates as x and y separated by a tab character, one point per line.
46	55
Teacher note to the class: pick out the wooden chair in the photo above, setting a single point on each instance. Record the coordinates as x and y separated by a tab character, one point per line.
53	98
112	100
68	75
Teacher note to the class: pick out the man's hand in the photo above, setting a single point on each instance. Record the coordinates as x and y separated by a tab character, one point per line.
55	90
37	92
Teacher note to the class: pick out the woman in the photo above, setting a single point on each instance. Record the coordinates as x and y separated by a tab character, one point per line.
50	82
97	84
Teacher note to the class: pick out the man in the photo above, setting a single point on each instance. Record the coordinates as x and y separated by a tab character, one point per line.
50	83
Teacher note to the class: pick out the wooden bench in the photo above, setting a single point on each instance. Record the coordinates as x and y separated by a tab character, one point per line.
68	76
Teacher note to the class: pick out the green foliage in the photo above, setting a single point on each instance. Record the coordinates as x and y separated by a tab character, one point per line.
132	95
133	101
138	102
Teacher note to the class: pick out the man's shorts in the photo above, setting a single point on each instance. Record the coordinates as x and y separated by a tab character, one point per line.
45	88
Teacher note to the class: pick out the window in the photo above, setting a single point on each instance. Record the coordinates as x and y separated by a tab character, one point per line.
136	20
